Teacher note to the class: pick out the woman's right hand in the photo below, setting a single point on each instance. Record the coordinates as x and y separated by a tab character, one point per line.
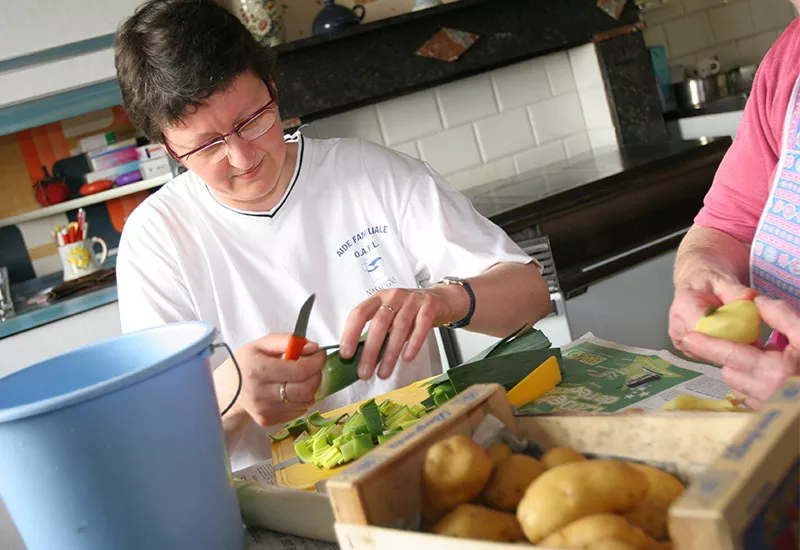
263	373
693	298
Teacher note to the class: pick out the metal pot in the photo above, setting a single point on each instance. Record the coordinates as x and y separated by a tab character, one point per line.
741	79
696	92
724	88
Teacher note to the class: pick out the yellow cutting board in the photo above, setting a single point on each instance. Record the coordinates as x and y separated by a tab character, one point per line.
305	476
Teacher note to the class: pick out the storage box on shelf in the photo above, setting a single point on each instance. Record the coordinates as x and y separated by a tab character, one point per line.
739	466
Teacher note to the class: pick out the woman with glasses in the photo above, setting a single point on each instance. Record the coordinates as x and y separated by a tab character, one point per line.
260	221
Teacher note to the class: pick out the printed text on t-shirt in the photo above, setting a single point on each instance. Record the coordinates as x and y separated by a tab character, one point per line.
351	242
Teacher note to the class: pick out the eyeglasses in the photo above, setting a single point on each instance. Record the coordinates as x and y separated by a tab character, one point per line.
250	129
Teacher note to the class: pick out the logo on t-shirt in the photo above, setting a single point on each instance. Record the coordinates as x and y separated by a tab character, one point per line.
373	264
366	249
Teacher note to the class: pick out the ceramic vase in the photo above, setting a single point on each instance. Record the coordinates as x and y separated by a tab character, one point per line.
263	18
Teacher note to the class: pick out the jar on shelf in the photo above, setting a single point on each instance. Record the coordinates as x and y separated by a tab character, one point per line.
263	18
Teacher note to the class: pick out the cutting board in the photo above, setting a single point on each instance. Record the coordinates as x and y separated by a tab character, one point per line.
306	476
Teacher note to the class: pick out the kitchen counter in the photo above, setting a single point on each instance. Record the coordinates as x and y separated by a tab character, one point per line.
33	316
609	210
718	106
593	208
566	183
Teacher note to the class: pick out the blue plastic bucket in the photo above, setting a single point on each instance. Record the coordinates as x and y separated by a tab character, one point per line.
119	445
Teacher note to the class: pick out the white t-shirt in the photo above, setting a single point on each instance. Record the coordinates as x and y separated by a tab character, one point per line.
355	218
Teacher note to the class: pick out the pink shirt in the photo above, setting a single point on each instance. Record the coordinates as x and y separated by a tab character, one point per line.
744	179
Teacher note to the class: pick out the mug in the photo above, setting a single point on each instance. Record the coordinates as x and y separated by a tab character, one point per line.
705	68
79	259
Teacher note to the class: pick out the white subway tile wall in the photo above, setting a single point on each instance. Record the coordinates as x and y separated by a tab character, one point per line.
559	72
697	5
505	134
361	123
557	118
409	148
689	34
756	47
494	125
771	15
601	139
467	101
585	67
577	145
409	117
738	32
497	170
595	108
732	22
519	85
451	151
541	156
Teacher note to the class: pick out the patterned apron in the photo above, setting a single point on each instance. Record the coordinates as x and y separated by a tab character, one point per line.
775	252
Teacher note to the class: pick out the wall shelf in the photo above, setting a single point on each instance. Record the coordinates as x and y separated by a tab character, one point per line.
74	204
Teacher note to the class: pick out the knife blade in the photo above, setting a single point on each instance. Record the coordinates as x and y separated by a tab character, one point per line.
297	341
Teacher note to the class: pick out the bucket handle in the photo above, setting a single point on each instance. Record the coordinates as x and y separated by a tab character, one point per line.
238	372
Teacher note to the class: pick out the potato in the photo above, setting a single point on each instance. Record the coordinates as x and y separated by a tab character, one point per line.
591	529
561	455
454	472
578	489
498	452
510	478
737	321
470	521
651	513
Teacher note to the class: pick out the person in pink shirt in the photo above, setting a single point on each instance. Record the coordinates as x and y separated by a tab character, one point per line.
745	242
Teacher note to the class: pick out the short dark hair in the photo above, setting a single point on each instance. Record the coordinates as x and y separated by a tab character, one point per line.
172	55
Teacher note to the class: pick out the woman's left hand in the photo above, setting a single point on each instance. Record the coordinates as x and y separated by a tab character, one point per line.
753	372
409	314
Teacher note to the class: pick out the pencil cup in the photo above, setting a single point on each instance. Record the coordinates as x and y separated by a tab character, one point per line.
80	259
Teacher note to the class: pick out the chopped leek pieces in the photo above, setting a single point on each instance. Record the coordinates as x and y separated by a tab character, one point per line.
336	443
506	362
328	443
339	373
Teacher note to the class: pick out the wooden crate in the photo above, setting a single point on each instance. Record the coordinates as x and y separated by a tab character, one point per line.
376	502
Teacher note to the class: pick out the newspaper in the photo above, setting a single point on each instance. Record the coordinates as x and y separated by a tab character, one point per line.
262	539
603	377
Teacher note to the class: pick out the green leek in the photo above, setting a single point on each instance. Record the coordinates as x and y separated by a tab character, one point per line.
339	373
336	444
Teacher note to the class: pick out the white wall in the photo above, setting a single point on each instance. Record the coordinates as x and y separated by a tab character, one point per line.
738	32
28	26
493	125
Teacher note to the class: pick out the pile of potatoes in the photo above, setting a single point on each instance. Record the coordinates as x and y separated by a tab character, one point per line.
563	500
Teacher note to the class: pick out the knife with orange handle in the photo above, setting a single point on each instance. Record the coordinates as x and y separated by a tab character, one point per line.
297	341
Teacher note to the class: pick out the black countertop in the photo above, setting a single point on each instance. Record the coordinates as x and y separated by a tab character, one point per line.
635	203
723	105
